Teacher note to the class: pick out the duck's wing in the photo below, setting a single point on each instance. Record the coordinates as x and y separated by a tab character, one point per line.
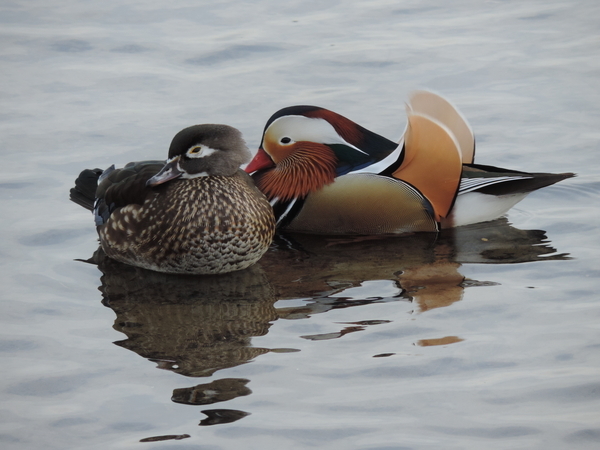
488	192
84	191
497	181
437	107
104	191
432	161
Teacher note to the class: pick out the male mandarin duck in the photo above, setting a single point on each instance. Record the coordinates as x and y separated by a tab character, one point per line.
197	214
325	174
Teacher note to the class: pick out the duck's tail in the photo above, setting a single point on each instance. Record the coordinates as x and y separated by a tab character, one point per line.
497	181
84	192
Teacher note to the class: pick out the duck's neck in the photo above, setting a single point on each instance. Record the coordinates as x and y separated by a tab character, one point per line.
310	167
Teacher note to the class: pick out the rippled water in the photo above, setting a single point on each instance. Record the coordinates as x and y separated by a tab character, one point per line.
485	337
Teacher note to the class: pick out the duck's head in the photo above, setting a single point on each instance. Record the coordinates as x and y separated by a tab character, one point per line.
203	150
304	148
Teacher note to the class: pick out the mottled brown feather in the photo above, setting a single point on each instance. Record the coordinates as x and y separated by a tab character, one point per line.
203	225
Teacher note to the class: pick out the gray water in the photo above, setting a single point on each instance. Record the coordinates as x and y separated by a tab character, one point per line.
486	338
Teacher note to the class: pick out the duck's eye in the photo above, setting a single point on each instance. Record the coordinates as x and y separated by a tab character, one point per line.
285	140
198	151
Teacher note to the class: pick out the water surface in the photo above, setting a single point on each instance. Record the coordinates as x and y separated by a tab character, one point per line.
485	337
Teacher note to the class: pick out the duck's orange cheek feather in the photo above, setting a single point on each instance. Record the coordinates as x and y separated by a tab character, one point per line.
307	168
276	151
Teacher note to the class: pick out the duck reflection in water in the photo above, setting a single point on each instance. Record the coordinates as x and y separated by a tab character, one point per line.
198	325
423	267
191	325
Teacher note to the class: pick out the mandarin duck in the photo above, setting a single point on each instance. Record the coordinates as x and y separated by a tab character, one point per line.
197	214
324	174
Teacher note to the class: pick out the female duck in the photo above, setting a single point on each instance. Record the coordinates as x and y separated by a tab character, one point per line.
196	214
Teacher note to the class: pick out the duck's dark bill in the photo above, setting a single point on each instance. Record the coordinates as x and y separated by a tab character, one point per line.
168	172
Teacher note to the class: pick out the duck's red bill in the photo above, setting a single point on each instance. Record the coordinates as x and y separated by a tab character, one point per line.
260	161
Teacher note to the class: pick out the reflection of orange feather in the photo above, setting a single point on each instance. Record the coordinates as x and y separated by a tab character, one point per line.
308	168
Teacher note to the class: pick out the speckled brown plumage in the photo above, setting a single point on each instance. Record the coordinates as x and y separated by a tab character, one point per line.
204	225
176	217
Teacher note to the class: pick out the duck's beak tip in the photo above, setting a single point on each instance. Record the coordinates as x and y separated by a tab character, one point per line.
169	171
260	161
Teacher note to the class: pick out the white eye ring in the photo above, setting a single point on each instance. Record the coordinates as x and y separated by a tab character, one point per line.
195	151
199	151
